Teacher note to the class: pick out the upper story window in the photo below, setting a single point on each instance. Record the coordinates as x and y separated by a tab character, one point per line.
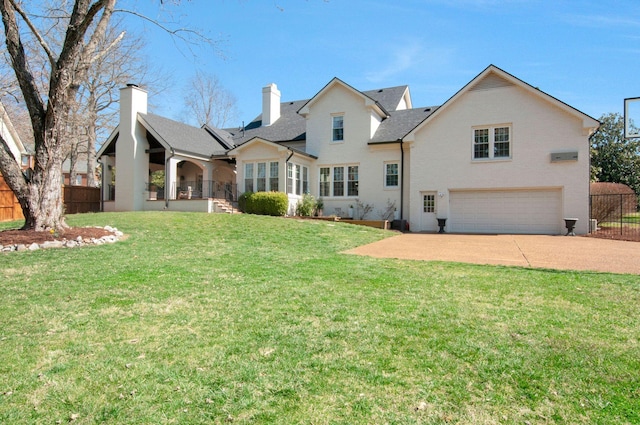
492	142
391	175
337	128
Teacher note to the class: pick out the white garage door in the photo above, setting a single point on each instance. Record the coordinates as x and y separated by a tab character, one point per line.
506	211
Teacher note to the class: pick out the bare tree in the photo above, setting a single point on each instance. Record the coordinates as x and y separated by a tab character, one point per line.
98	95
50	91
210	103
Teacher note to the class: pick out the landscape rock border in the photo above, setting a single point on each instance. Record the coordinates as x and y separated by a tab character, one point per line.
114	236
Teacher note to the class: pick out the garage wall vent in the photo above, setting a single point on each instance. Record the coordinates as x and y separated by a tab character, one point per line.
564	156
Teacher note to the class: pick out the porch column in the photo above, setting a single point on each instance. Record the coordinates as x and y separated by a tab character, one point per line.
108	162
171	175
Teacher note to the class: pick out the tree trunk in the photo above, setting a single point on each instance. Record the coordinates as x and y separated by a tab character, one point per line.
45	203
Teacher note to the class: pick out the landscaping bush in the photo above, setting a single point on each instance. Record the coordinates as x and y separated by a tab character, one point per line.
264	203
242	201
307	206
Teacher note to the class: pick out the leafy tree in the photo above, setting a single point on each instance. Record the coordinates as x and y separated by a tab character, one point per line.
615	159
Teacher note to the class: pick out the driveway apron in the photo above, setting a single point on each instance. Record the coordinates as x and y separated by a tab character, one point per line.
535	251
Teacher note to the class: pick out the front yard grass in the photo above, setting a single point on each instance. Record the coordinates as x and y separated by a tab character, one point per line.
217	319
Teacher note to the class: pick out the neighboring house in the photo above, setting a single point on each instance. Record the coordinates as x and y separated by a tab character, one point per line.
10	135
500	156
9	207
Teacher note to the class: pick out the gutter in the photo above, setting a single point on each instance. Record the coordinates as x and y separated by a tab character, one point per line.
167	187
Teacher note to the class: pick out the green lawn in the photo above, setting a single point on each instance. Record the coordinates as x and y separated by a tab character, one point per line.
218	319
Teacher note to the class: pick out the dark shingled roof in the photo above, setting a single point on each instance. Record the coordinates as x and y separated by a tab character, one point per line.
289	127
292	127
185	138
400	123
388	98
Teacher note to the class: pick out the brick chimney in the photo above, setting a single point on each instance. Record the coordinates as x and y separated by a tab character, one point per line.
270	104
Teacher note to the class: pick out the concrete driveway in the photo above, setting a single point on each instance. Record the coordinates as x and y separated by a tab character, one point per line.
537	251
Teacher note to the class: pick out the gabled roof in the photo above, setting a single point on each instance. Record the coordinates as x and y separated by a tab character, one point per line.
291	126
399	124
182	137
369	101
179	137
279	146
492	77
389	98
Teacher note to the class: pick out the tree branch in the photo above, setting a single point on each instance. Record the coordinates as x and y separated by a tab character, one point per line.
175	32
35	32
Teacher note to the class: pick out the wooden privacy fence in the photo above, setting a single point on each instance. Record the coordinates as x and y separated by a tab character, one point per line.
9	207
77	199
81	199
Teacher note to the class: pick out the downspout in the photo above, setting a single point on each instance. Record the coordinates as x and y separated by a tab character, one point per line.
286	175
167	188
401	179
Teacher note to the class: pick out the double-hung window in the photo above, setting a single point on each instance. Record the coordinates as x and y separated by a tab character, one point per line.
391	175
492	142
248	177
325	181
352	181
297	179
261	176
274	168
339	181
337	133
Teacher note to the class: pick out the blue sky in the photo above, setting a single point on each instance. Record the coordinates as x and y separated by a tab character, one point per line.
585	53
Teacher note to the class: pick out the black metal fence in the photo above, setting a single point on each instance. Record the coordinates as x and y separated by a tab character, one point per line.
204	189
615	215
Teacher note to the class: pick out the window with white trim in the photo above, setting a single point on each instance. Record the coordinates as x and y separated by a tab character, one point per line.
325	181
337	129
248	177
297	178
261	176
274	171
492	142
339	181
261	185
391	175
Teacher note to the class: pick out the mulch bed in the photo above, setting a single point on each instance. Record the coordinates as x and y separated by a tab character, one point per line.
27	237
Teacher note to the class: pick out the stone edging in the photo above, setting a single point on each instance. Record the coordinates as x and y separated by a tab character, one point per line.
64	243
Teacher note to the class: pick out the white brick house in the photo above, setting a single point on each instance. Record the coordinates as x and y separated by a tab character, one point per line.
500	156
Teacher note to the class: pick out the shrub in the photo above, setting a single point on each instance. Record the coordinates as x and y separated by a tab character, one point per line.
306	206
242	201
264	203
